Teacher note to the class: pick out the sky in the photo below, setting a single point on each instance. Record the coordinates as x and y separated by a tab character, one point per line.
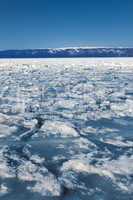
65	23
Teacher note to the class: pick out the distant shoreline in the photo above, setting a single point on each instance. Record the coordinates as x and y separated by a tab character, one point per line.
76	52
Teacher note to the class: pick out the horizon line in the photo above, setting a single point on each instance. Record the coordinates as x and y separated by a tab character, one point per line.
74	47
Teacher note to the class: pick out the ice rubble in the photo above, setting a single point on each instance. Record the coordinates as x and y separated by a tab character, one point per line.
5	170
86	108
6	130
47	186
80	166
45	183
122	167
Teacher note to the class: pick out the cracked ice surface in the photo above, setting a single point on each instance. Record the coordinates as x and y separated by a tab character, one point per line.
66	129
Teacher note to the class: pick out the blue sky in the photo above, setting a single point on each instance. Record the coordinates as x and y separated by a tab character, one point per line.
62	23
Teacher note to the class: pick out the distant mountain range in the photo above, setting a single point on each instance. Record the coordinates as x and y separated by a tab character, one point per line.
68	52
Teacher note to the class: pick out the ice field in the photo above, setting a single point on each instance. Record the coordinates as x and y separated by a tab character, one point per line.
66	129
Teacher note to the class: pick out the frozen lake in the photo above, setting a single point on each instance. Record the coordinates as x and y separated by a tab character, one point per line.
66	129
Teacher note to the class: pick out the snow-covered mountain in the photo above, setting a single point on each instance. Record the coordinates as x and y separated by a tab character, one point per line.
68	52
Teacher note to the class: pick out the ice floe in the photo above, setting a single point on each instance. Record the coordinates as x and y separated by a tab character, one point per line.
59	128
